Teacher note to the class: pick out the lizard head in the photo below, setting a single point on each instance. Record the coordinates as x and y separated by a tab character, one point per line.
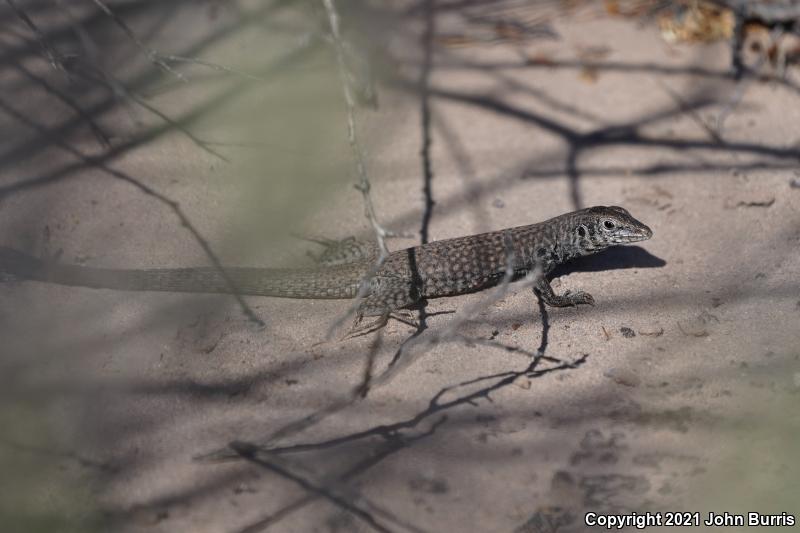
599	227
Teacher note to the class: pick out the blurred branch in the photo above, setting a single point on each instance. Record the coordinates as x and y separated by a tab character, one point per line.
213	66
120	91
97	75
53	56
363	184
352	133
102	136
174	206
163	60
153	55
348	502
389	446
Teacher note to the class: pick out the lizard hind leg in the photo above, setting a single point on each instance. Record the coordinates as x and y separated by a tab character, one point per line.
389	299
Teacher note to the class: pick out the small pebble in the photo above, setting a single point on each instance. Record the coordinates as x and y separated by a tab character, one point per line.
523	382
628	333
622	377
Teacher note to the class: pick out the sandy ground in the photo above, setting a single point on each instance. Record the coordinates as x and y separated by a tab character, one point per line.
677	391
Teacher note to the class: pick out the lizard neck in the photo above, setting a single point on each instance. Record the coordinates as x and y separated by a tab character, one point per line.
552	247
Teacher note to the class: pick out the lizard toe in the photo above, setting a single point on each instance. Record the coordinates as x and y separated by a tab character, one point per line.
581	297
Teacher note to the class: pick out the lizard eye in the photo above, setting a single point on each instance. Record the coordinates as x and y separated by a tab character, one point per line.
609	224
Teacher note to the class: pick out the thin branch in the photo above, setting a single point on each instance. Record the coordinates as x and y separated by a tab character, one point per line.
53	56
97	75
98	132
153	55
212	66
90	47
203	145
163	60
56	61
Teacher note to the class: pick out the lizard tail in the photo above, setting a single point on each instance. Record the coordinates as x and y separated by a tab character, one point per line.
334	282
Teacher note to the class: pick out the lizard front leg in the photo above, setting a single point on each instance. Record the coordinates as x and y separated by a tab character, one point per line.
568	299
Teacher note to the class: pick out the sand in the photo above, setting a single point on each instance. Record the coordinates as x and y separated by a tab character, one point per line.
677	391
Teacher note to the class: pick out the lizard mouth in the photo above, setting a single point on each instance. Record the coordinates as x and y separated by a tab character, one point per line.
633	235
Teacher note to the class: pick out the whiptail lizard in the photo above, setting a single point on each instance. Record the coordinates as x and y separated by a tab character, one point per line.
441	268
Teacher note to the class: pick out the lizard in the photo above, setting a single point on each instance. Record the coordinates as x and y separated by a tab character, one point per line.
348	269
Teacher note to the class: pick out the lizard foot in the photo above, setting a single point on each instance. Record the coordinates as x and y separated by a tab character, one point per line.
358	329
569	299
405	316
401	315
577	298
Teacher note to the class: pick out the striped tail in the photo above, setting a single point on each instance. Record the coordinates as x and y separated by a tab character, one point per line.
334	282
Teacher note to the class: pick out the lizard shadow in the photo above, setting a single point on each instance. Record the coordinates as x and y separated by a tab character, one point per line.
618	258
623	257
